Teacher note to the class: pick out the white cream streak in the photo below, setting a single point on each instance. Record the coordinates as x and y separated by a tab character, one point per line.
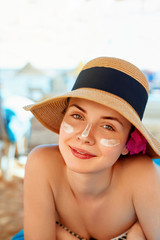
105	142
67	128
86	131
109	142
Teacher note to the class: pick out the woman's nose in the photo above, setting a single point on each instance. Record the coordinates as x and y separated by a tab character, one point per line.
86	131
85	135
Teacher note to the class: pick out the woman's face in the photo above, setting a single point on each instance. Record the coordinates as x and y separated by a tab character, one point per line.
92	136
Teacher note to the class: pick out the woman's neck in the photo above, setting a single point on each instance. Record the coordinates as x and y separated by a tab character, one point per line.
90	185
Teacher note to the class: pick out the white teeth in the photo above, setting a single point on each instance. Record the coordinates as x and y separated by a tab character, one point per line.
80	152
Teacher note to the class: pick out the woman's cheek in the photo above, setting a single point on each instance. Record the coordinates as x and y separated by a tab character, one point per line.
109	143
67	128
111	147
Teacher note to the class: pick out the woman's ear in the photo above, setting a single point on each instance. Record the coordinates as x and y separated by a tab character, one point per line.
125	151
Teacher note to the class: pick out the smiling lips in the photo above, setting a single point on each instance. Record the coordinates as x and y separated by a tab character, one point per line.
82	154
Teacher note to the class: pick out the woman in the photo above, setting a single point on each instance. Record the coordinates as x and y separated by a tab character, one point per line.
100	181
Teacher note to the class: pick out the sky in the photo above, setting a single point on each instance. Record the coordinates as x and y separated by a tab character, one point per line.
65	33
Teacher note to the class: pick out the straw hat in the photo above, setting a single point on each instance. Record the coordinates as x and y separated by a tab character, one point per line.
112	82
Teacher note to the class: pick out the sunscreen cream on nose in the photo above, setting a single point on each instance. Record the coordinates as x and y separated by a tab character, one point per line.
109	142
86	131
67	128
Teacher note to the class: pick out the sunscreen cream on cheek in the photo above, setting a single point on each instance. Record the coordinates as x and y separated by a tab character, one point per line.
109	142
67	128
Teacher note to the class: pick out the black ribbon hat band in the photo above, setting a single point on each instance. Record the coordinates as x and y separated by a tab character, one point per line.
115	82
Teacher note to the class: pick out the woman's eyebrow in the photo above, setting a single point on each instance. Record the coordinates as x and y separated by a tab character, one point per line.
80	108
112	118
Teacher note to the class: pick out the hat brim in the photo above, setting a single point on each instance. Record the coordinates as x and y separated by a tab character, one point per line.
50	113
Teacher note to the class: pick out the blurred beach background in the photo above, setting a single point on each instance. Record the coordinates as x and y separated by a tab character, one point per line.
43	46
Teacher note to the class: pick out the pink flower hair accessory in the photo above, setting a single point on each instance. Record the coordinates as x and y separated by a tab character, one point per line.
136	143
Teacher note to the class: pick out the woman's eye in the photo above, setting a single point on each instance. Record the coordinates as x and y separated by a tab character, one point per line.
77	116
108	127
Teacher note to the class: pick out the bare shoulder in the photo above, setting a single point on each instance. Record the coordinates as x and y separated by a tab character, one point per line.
39	208
142	178
138	172
139	166
43	153
46	159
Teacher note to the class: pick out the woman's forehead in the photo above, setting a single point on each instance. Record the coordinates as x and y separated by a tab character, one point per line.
87	104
